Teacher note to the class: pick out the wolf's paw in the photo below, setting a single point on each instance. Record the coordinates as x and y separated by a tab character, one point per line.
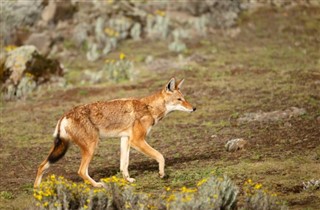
163	176
130	180
99	184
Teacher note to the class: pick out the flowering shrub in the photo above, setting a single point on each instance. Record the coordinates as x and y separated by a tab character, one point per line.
215	192
259	198
10	48
119	70
211	193
115	70
59	193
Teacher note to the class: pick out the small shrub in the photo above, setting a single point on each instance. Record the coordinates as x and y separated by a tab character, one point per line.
211	193
259	198
216	192
158	25
119	70
59	193
6	195
311	185
124	195
114	70
177	45
25	87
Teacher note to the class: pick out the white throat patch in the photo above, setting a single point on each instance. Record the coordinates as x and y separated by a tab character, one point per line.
178	107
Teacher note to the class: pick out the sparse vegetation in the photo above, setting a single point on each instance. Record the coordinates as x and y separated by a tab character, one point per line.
59	193
273	64
6	195
256	197
311	185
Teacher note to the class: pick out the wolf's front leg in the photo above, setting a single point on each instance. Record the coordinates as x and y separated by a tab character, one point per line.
145	148
124	159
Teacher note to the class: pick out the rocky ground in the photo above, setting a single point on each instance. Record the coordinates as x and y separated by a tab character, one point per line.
267	68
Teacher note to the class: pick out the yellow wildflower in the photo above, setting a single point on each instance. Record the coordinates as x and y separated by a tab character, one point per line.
172	197
122	56
160	13
46	204
168	188
201	182
186	198
96	190
111	32
188	190
28	75
151	207
128	205
258	186
10	48
38	197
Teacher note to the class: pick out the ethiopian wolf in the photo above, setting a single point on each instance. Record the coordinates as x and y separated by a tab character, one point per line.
129	119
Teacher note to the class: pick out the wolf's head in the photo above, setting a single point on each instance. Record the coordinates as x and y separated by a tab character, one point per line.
174	99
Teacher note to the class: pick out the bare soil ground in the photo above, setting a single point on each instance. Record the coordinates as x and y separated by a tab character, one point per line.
272	64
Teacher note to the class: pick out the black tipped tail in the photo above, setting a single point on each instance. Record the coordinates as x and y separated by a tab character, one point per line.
59	149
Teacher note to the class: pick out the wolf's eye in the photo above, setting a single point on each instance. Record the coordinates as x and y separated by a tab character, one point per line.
179	99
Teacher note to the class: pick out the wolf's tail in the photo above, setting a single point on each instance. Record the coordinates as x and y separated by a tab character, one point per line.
58	150
60	146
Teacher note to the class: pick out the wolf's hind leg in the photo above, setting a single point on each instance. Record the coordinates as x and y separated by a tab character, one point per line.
57	151
87	152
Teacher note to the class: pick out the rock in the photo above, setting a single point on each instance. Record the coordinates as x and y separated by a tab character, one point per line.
235	144
15	14
271	116
49	12
42	41
198	58
25	69
62	25
65	10
16	62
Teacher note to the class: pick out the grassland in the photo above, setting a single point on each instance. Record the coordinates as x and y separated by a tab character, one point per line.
272	64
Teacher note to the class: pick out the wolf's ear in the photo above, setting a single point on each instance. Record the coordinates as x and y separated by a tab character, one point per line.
171	85
179	84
